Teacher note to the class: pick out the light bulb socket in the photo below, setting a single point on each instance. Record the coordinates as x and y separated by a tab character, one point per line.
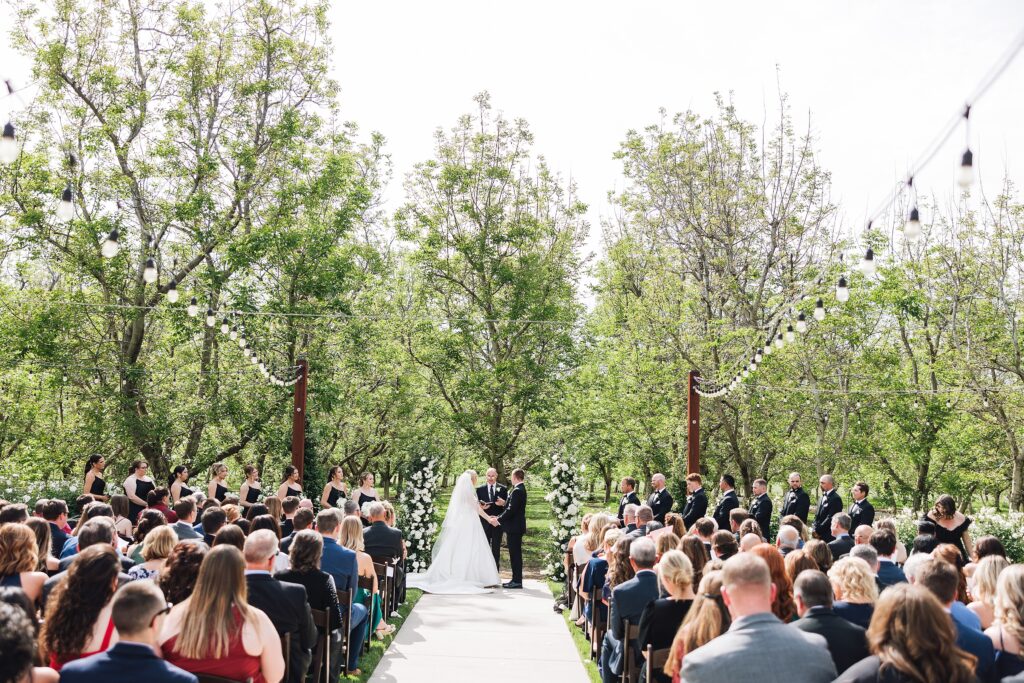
68	195
915	216
9	130
967	159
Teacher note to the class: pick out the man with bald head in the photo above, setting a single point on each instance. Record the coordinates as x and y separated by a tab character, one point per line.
862	534
829	506
492	497
660	501
796	502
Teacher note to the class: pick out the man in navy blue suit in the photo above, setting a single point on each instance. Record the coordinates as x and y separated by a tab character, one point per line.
341	563
942	579
889	573
138	612
628	602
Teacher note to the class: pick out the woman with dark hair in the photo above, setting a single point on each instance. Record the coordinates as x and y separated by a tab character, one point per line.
41	529
250	492
18	630
275	508
706	619
230	534
290	486
911	640
216	632
257	510
924	544
178	577
137	486
217	489
723	545
158	500
95	485
281	563
697	553
19	558
149	520
986	546
122	508
335	489
782	606
950	525
820	553
78	622
176	483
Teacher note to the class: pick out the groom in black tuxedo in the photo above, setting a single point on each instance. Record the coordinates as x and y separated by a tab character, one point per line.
493	497
513	523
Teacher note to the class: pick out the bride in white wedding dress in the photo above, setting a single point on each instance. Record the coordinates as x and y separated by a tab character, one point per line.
461	559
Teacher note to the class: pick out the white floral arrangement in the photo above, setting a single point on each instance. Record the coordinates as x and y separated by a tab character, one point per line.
418	504
564	494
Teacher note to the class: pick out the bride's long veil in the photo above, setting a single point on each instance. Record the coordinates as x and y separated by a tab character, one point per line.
462	505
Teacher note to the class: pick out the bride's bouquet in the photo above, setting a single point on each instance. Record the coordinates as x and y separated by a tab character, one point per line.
418	503
564	495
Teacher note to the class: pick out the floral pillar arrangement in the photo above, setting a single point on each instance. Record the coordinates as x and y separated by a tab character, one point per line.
564	495
418	503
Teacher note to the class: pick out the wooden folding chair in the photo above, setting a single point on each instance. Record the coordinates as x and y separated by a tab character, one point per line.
346	599
391	573
366	583
286	650
598	622
570	566
384	584
655	661
630	670
322	649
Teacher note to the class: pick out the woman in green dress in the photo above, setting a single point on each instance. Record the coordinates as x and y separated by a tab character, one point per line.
352	538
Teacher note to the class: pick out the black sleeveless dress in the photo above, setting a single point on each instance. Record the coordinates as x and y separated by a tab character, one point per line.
98	487
294	492
220	492
185	491
142	489
333	496
252	496
364	499
954	536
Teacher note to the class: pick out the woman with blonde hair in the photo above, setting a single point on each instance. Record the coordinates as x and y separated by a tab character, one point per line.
665	542
275	508
706	619
596	572
1007	632
986	582
352	538
820	553
697	553
750	526
41	528
156	548
217	487
661	619
216	632
19	560
674	521
856	592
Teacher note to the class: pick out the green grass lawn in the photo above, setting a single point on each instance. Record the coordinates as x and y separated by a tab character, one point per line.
369	660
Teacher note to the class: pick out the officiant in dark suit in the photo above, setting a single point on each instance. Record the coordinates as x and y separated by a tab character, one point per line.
627	487
727	503
660	501
493	497
697	502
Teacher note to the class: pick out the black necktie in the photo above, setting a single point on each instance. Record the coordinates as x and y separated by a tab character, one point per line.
491	493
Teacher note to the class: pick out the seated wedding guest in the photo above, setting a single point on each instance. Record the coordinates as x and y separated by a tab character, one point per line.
213	520
291	486
787	540
138	612
215	631
674	521
821	553
1007	632
18	664
155	549
159	499
41	529
986	580
799	525
95	532
255	510
176	483
90	511
289	506
275	506
383	541
663	543
217	488
185	510
941	578
148	520
230	534
870	555
951	554
862	534
923	544
178	578
122	523
736	519
78	622
284	603
704	528
137	486
847	643
19	559
739	653
350	508
578	544
14	513
342	565
911	640
390	516
951	525
750	527
628	601
841	542
661	619
272	525
232	513
303	520
698	555
855	590
644	516
782	602
750	541
596	572
724	545
352	538
797	563
307	548
249	492
56	513
620	570
706	619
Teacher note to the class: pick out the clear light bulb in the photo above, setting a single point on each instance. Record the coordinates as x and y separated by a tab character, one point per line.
234	332
746	373
149	273
211	319
8	145
255	359
965	176
912	229
111	246
66	205
867	266
819	310
842	291
224	327
768	348
779	341
193	308
172	292
753	367
790	335
241	341
801	323
757	357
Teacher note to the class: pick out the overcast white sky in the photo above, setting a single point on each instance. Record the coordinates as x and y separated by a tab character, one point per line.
878	78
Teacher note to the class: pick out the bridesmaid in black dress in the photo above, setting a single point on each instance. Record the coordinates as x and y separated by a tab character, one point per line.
217	489
95	485
335	489
137	486
367	494
290	486
249	493
951	525
176	484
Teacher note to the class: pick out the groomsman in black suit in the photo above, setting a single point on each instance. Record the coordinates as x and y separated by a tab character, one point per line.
513	522
796	502
761	506
861	512
492	497
628	496
727	503
696	503
660	501
829	506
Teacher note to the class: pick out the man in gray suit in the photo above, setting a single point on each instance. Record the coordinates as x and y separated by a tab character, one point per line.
185	509
738	654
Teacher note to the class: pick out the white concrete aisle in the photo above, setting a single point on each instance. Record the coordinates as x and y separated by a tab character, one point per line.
505	636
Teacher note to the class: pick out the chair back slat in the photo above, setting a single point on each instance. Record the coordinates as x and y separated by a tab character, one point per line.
630	670
321	665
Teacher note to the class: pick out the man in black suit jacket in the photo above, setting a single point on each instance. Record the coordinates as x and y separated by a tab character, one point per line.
862	512
829	506
696	503
847	642
660	501
727	503
493	497
513	523
55	512
629	496
842	541
381	540
761	507
285	603
796	502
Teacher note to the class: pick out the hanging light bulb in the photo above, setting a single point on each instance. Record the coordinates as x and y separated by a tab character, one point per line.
819	310
779	342
842	291
172	291
241	340
224	326
768	348
211	319
66	205
965	176
984	402
8	145
867	266
746	373
790	335
912	229
149	273
110	245
801	323
883	404
193	308
255	359
758	357
234	332
753	367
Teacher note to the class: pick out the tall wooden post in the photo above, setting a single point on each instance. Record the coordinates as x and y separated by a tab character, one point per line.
299	419
693	426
